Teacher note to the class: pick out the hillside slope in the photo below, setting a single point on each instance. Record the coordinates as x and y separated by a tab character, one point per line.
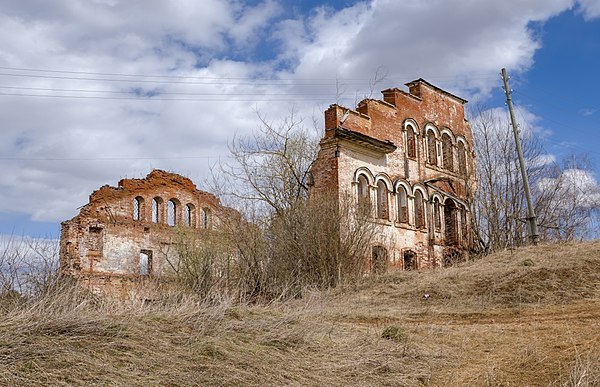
526	317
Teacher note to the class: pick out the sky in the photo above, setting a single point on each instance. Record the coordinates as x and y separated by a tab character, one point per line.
95	91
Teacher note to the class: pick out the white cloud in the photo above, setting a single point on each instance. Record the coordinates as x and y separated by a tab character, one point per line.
459	45
589	8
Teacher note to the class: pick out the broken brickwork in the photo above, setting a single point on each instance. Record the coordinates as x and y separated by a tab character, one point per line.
125	234
410	157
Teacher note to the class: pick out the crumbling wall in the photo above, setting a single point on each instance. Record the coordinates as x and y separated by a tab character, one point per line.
371	140
126	234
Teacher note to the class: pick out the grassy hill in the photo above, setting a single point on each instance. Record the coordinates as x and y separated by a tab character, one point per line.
524	317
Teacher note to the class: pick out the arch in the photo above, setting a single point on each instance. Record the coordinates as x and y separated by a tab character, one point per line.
378	259
402	198
382	200
451	222
173	212
462	156
157	210
205	218
365	172
431	127
190	215
447	152
419	204
139	212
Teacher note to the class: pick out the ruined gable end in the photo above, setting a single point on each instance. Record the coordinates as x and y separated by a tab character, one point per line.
125	234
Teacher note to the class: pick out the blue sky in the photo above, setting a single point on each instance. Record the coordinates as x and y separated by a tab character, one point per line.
89	94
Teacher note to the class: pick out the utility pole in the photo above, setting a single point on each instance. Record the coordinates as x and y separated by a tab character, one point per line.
531	218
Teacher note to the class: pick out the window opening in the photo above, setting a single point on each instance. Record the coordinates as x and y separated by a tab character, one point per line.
447	152
205	221
172	212
410	143
409	260
419	210
431	148
382	200
450	220
378	259
145	263
157	210
138	208
462	158
402	205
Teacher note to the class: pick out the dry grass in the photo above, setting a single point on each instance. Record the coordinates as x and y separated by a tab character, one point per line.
527	317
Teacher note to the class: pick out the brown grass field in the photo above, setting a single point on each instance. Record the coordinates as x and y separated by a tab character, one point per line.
529	317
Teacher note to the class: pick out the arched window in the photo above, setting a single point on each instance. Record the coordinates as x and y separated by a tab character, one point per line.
402	204
138	208
411	143
419	210
447	152
172	209
157	210
205	218
450	222
462	158
431	148
437	220
382	200
190	215
363	192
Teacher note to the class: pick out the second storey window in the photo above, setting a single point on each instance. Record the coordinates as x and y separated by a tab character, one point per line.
382	200
431	148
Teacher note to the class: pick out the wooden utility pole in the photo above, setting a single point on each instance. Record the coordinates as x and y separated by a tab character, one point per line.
534	234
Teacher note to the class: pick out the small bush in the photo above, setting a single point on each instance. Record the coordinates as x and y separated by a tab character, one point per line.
394	332
528	262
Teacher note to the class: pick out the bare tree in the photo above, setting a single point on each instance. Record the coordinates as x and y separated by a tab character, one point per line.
565	207
270	166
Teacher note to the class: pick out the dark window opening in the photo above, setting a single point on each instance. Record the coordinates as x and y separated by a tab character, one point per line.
448	155
382	201
378	259
431	148
402	205
450	222
419	210
411	149
409	260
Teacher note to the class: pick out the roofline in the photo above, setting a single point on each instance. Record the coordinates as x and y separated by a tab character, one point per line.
421	80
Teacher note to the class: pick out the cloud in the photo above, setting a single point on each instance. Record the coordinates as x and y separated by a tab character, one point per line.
589	8
574	186
57	149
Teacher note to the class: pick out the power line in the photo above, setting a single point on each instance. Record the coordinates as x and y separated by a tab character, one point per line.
157	92
150	98
119	158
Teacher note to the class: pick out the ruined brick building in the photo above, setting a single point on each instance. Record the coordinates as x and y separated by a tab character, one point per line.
125	233
410	158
